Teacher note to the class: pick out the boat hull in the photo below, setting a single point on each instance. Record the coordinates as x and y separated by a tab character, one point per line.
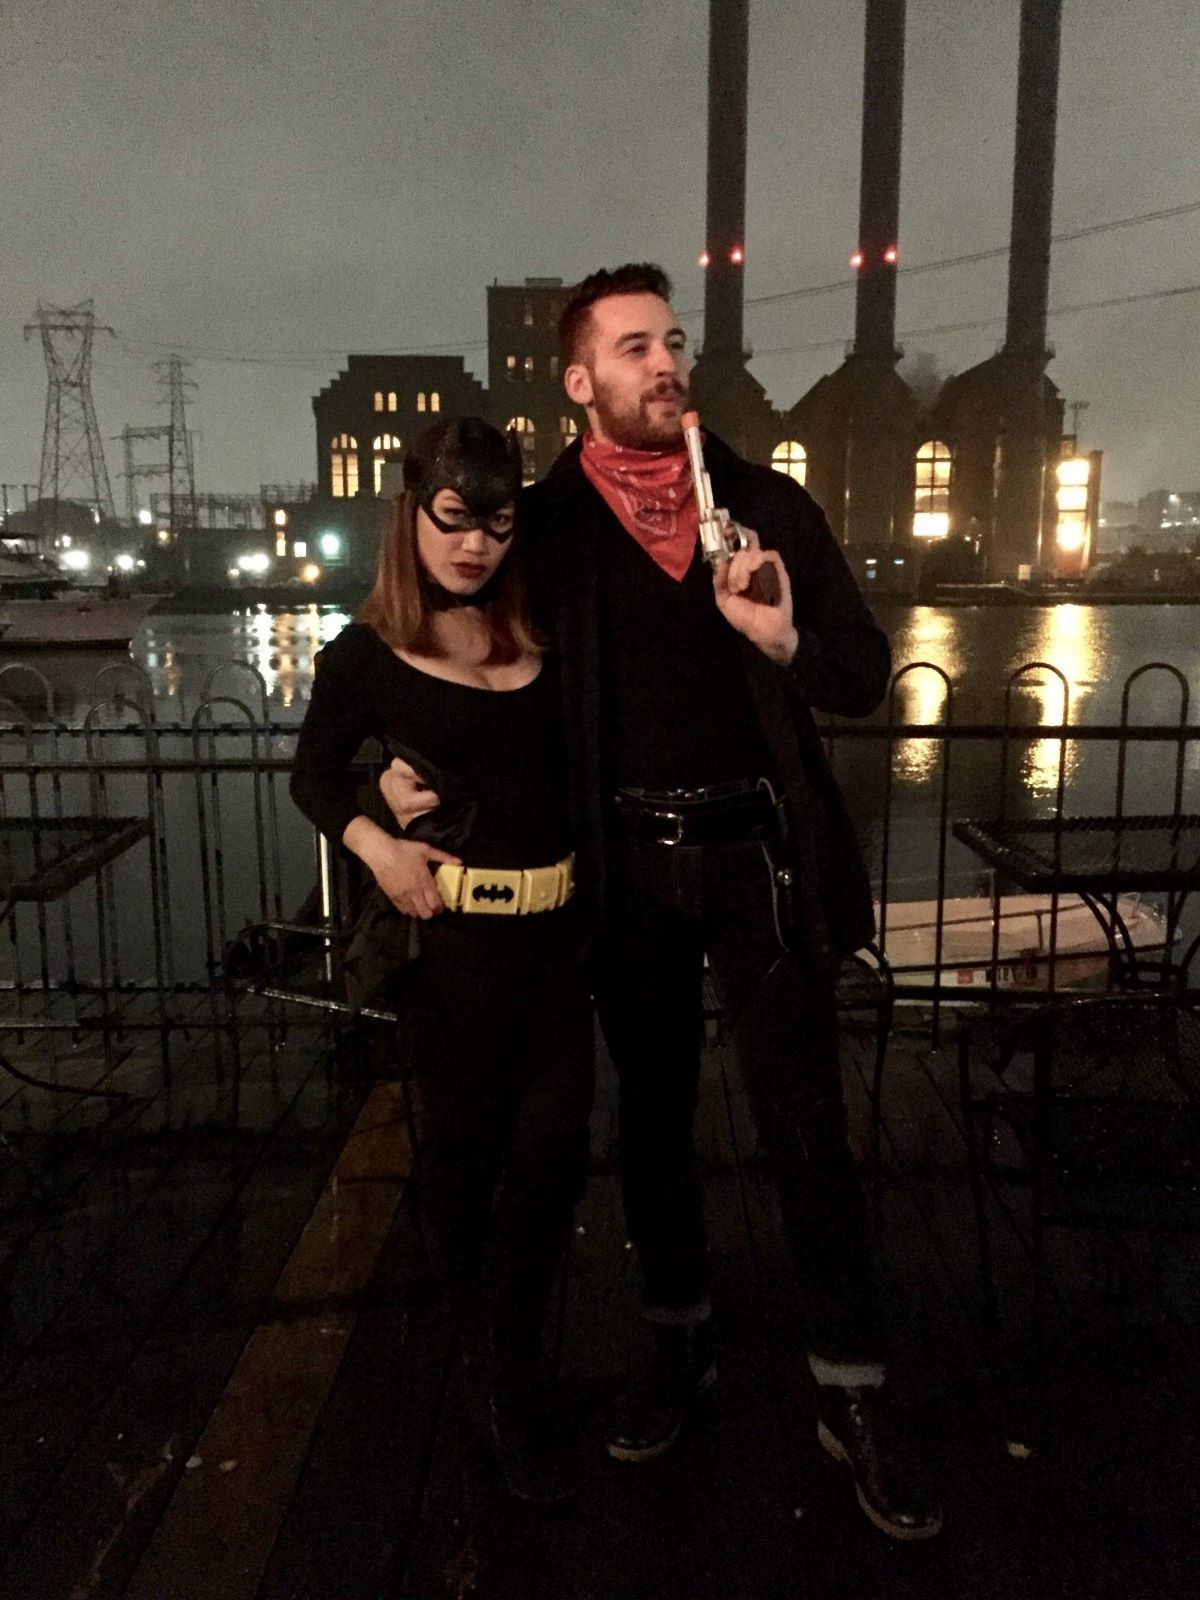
79	622
1077	947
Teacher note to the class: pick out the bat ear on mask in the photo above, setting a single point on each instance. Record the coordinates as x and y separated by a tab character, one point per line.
468	455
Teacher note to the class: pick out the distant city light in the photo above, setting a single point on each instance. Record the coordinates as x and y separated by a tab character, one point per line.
96	515
281	518
737	255
300	549
124	563
931	524
891	255
145	517
310	572
705	258
330	545
256	562
164	536
76	560
856	260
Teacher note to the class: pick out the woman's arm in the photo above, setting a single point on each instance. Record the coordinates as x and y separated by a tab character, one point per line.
324	788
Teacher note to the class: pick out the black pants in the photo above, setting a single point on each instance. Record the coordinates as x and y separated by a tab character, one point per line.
503	1072
665	906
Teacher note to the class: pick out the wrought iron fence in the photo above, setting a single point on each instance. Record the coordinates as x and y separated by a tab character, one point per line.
222	846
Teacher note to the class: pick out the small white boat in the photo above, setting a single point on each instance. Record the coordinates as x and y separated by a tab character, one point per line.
1081	943
73	619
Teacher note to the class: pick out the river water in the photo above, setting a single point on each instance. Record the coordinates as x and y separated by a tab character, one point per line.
975	649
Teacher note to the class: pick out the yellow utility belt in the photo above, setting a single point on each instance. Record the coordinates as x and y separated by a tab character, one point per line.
506	891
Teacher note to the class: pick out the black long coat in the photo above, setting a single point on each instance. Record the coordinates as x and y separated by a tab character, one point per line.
842	666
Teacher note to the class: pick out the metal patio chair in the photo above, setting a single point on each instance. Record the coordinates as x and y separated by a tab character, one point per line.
1095	1114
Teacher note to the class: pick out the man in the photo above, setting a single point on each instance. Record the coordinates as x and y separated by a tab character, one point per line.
708	821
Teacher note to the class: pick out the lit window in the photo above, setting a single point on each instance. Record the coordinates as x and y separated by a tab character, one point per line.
300	549
386	447
421	401
791	458
435	401
568	427
391	400
524	430
528	369
931	502
511	363
281	545
343	463
529	313
378	401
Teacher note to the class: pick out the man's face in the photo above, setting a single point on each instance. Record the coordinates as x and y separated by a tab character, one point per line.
633	379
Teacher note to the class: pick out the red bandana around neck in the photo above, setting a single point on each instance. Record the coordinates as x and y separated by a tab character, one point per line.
650	493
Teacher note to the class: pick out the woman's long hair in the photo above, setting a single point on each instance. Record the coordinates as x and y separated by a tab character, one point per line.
400	606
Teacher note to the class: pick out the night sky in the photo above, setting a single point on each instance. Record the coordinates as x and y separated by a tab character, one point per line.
267	185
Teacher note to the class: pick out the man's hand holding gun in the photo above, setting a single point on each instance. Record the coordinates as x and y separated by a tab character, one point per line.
750	584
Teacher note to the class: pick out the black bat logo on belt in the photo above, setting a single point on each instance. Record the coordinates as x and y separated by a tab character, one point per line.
492	891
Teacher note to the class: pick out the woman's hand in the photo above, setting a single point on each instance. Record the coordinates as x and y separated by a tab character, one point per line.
405	796
403	868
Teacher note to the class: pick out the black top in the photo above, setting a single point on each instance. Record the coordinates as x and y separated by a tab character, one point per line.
841	666
503	749
675	707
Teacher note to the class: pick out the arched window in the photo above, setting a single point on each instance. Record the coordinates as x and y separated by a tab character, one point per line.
391	399
378	401
385	447
931	501
568	427
343	466
524	430
790	457
435	401
421	401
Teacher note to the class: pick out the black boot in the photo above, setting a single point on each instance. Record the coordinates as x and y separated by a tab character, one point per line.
857	1427
650	1413
538	1462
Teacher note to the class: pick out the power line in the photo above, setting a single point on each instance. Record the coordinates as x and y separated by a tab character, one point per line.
945	262
322	357
992	322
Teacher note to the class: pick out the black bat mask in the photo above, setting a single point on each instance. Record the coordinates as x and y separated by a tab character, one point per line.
468	455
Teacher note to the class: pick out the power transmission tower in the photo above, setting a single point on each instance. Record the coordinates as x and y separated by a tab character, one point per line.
172	375
136	470
72	452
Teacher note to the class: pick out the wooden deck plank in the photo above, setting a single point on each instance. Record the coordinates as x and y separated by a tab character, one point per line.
217	1534
103	1506
356	1500
103	1326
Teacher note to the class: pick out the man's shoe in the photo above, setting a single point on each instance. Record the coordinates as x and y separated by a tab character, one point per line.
856	1427
537	1462
651	1412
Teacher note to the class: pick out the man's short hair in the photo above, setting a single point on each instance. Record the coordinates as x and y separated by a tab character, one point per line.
636	277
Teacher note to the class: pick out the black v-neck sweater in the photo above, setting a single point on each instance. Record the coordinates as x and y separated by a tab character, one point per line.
675	707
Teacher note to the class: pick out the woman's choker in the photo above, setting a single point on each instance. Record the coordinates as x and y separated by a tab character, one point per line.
442	599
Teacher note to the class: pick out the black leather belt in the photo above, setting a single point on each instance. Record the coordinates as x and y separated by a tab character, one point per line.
720	814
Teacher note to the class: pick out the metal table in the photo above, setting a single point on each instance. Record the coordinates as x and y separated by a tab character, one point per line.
1099	859
40	860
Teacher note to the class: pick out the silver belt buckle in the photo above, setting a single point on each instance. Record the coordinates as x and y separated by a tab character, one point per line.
677	818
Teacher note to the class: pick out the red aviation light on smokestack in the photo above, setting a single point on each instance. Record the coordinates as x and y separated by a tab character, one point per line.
891	255
704	259
737	255
856	260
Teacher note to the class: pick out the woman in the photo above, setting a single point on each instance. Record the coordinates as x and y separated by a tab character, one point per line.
441	664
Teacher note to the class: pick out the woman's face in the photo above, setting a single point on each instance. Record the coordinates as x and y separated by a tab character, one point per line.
460	554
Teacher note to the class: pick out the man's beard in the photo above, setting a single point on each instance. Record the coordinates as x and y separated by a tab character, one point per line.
636	425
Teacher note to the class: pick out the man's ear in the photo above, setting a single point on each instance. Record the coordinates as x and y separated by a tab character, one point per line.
577	381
